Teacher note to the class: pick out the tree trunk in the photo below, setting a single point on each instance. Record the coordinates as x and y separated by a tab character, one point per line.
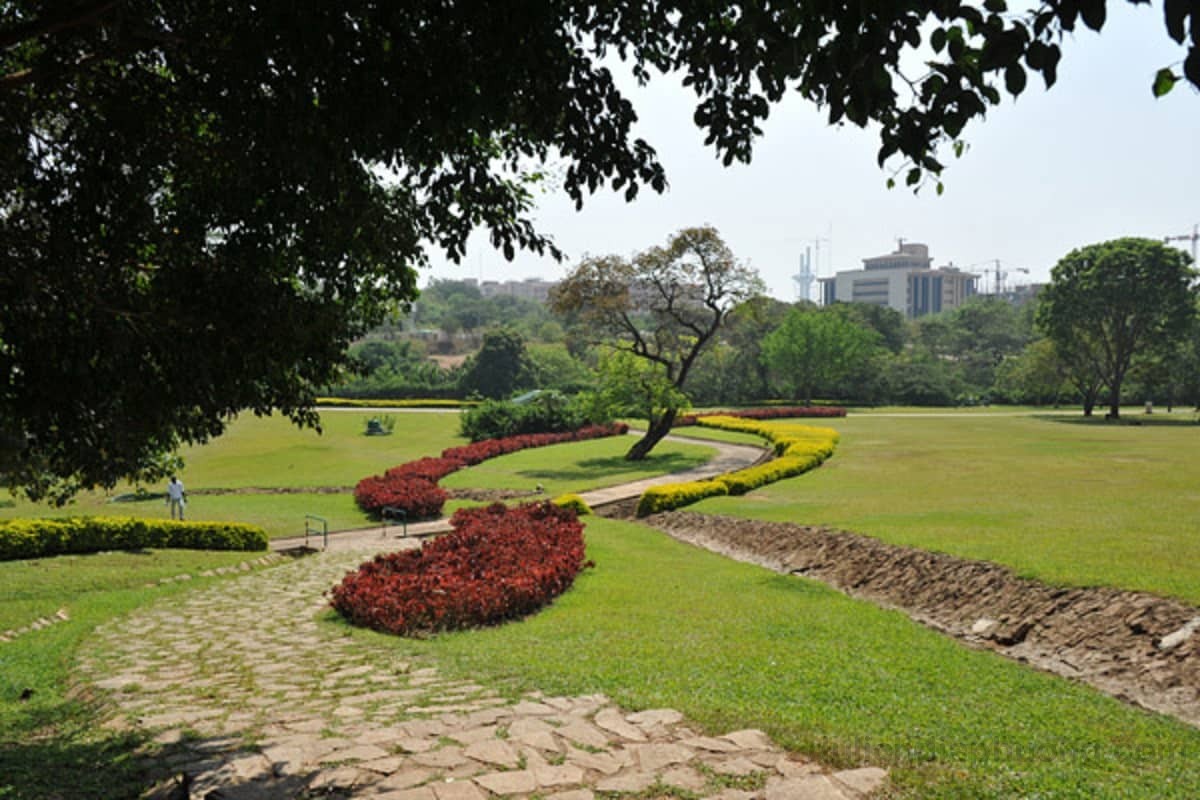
658	429
1114	401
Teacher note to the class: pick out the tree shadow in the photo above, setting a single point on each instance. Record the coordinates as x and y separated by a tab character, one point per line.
71	767
1189	419
614	465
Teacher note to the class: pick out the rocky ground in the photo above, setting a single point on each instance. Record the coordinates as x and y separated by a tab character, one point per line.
1135	646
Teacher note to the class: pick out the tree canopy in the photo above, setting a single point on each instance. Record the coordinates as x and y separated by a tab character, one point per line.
664	306
203	203
1110	303
813	349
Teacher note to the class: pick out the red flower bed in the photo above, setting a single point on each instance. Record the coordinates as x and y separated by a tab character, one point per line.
773	412
477	452
430	468
413	486
418	497
498	564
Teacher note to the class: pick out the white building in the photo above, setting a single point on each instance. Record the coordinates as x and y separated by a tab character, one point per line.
905	280
534	289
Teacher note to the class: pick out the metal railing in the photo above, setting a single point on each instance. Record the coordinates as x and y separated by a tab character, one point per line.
310	528
391	512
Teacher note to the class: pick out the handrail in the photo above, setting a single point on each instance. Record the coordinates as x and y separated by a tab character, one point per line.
311	529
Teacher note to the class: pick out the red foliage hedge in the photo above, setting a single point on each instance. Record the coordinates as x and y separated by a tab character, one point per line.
498	564
476	452
413	486
770	412
418	497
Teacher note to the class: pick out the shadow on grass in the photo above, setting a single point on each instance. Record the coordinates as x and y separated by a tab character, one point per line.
80	762
1188	419
615	465
83	765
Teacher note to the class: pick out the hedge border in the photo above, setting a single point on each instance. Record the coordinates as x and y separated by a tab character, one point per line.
419	478
39	538
798	449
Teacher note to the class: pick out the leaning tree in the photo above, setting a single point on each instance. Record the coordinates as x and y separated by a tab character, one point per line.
202	203
1108	304
663	306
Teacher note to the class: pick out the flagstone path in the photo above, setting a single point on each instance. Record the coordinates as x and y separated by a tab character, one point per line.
247	697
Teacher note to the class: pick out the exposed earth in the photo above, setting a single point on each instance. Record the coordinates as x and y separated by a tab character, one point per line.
1135	646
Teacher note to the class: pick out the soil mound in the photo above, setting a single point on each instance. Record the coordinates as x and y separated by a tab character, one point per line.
1135	646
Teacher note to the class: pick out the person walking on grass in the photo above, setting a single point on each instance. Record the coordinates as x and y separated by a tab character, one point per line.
175	497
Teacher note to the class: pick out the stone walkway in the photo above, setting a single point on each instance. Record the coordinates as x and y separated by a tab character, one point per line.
247	697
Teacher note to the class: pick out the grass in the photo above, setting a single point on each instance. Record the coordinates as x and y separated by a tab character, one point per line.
658	623
272	453
50	743
578	466
1067	503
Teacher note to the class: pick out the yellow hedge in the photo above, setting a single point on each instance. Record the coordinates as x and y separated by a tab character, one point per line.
674	495
573	502
798	449
36	538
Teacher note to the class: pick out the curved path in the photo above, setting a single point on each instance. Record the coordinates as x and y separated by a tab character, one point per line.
246	695
729	457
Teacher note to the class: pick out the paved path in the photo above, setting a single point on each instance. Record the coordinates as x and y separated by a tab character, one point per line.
729	457
245	693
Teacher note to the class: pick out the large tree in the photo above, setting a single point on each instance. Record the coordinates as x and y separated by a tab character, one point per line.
202	203
1110	303
664	306
814	349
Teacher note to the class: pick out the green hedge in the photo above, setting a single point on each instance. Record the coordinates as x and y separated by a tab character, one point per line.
382	402
36	538
798	448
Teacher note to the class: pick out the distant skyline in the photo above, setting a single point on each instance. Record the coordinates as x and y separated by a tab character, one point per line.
1096	157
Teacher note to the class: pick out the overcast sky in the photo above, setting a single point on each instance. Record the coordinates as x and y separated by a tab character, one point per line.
1095	158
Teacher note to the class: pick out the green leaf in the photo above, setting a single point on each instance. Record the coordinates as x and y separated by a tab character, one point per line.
937	40
1175	12
1014	79
1093	12
1164	81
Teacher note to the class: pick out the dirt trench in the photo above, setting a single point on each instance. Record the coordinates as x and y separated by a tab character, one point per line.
1135	646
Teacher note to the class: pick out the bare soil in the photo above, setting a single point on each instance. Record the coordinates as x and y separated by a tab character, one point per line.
1135	646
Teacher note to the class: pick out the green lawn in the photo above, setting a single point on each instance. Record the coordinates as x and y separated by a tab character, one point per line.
270	452
658	623
578	466
1056	499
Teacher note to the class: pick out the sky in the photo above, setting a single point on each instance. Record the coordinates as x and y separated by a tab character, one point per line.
1096	157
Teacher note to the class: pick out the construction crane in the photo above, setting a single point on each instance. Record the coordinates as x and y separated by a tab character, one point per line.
1193	237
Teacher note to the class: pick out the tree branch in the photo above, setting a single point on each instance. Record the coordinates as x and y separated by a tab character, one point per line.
45	26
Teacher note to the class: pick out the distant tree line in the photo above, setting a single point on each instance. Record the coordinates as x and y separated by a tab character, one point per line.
1051	350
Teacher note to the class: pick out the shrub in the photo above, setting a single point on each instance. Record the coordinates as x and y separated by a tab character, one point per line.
798	448
773	412
574	502
418	497
498	564
540	412
413	486
675	495
36	538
